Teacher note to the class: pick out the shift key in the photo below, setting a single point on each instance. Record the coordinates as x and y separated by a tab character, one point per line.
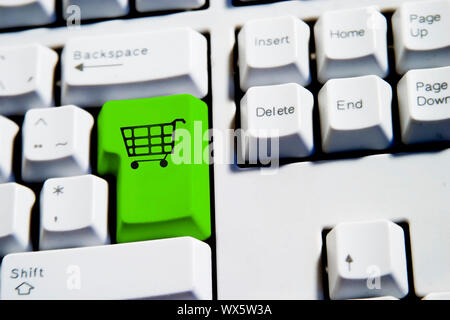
98	69
155	148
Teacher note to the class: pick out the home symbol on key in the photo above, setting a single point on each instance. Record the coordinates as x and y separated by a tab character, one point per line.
24	289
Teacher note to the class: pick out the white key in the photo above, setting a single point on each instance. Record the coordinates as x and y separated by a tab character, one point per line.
152	5
74	212
437	296
281	112
274	51
56	143
8	132
90	9
351	43
367	259
17	13
26	78
139	65
355	114
16	202
176	268
421	35
424	105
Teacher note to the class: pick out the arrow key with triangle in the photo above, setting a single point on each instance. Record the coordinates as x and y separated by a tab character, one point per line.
366	260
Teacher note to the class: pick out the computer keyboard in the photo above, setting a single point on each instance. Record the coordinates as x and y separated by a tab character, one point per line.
225	149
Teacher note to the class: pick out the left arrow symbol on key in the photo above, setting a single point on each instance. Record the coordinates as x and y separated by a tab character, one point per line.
24	289
81	66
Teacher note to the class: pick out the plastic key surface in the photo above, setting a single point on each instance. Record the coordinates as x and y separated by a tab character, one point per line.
274	51
420	30
91	9
56	143
437	296
355	114
17	13
351	43
155	147
424	105
26	78
8	132
16	202
131	66
151	5
162	269
74	212
367	259
281	112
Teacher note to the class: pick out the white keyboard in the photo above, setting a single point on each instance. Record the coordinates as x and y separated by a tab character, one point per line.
330	174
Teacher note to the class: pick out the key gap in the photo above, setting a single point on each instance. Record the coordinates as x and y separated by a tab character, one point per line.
409	267
238	94
211	241
110	179
57	79
324	265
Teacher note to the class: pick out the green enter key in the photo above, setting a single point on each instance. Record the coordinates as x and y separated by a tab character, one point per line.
156	148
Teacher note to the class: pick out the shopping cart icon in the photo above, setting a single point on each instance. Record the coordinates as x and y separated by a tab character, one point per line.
150	140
